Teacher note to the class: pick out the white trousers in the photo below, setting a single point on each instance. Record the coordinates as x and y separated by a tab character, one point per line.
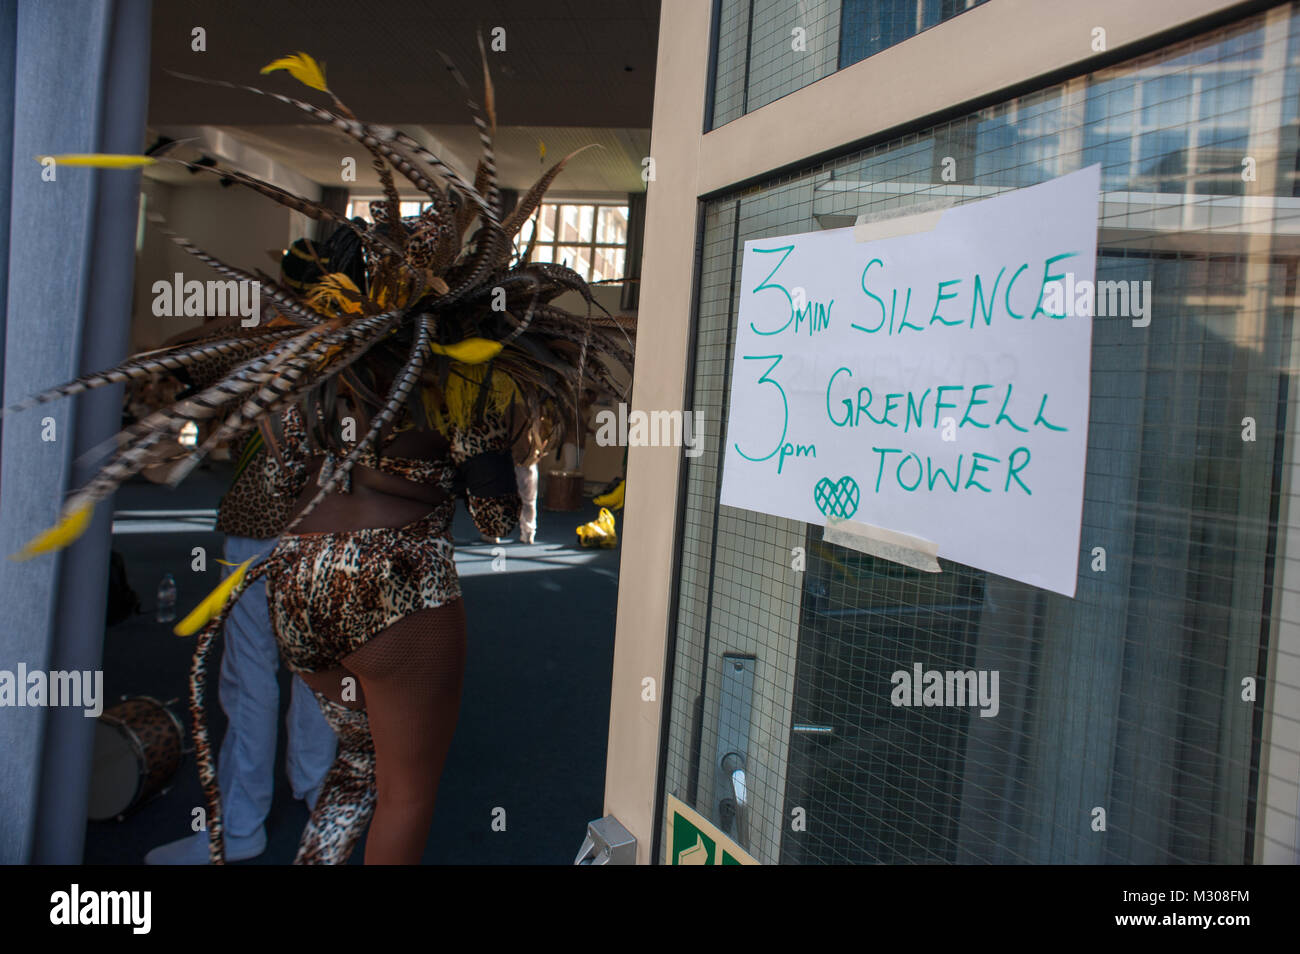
526	479
250	696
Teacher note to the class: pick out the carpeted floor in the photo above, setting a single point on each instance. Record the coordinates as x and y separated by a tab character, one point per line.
534	721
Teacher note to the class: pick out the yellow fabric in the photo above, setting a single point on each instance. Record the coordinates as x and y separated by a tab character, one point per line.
461	396
612	499
599	532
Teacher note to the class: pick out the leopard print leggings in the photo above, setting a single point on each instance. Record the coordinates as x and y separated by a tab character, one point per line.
348	794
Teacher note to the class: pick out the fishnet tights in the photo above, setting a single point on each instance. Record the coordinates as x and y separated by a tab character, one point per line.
411	676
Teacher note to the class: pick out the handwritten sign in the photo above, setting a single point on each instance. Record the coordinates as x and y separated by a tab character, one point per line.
934	384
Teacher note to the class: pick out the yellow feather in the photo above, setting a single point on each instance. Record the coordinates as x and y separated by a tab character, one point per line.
338	290
469	351
100	160
302	68
72	524
213	603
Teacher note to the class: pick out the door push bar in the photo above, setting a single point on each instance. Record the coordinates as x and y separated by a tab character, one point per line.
607	843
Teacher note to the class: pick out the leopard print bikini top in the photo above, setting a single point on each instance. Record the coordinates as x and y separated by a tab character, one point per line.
286	474
437	473
263	497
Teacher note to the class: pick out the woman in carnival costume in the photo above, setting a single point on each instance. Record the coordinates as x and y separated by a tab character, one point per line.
382	400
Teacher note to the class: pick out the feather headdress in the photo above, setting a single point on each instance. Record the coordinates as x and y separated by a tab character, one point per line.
454	309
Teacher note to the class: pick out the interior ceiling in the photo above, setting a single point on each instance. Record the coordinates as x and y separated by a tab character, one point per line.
614	165
573	72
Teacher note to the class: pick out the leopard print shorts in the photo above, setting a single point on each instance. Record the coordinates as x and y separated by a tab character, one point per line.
330	593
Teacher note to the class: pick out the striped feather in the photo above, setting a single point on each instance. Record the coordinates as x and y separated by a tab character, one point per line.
392	201
533	197
373	137
374	241
267	287
284	390
142	368
168	422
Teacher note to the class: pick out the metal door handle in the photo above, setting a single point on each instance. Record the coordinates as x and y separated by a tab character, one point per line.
733	769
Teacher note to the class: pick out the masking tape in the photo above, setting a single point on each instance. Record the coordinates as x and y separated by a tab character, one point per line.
923	217
886	544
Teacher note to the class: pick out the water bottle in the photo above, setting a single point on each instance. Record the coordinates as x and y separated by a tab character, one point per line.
166	599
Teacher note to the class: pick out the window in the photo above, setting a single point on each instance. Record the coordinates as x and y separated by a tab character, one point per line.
767	49
1127	697
590	238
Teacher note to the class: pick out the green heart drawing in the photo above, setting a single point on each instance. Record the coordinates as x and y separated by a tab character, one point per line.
837	499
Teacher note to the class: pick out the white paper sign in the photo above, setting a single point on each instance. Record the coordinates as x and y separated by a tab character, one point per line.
935	384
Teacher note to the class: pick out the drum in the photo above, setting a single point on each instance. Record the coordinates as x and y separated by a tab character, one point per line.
563	490
138	748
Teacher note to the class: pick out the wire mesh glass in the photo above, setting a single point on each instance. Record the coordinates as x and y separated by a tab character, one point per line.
1130	698
766	49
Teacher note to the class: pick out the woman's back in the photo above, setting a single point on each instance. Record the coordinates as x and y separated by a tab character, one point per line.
414	474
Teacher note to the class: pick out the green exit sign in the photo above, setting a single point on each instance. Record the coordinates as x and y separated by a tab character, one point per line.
694	840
